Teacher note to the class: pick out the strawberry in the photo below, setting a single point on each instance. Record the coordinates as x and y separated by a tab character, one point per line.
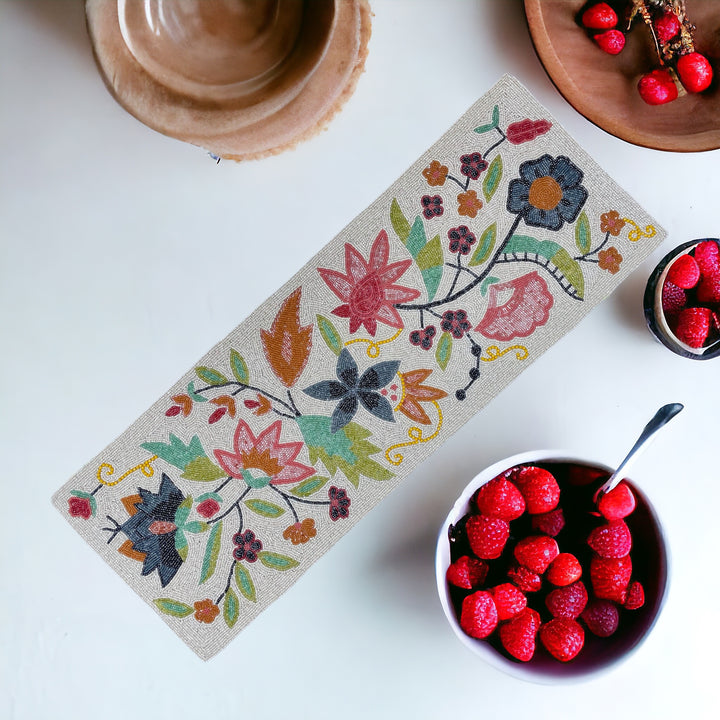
707	256
536	552
487	536
695	72
518	634
618	503
478	616
601	617
525	579
567	601
599	17
674	298
657	87
467	572
550	523
708	289
538	487
693	326
667	26
562	637
565	569
611	540
501	499
684	272
635	596
611	41
509	600
610	577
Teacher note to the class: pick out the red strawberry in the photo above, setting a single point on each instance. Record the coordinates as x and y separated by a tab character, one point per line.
611	41
538	487
525	579
565	569
536	552
707	256
487	536
567	601
467	572
618	503
695	72
635	596
708	289
657	87
684	272
509	600
610	577
673	298
562	637
551	523
693	326
599	17
518	634
478	616
501	499
611	540
667	26
601	617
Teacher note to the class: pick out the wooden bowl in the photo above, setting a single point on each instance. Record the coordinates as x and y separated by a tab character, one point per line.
603	87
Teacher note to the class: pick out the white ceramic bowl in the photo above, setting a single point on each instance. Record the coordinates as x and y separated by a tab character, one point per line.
651	564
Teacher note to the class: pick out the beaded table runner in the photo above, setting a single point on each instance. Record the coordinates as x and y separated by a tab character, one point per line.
495	243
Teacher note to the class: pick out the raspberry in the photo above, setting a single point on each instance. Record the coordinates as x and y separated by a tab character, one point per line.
708	289
538	487
563	638
673	298
478	616
693	326
525	579
611	41
667	26
567	601
565	569
707	256
612	540
635	596
509	600
695	72
618	503
684	272
467	572
610	577
551	523
536	552
657	87
601	617
518	635
599	17
501	499
487	536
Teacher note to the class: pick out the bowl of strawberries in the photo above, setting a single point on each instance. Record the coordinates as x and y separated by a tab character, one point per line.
543	577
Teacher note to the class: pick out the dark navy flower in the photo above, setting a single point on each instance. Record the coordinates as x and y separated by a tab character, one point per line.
472	164
353	390
247	546
339	503
548	192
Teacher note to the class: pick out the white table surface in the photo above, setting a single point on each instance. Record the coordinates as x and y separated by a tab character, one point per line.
104	224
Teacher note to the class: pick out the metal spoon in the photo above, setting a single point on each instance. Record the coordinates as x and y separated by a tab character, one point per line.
662	417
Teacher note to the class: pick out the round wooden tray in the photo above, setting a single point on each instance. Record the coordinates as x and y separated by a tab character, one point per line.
603	87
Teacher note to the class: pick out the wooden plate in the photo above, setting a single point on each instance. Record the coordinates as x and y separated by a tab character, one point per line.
604	87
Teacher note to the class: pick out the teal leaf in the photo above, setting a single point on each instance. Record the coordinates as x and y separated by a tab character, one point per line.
255	482
582	234
417	238
310	486
195	526
212	550
444	350
239	367
430	261
209	496
176	452
210	376
330	335
193	395
493	176
173	607
276	561
244	582
399	221
231	608
519	244
265	508
182	512
485	246
202	469
486	283
496	115
181	543
315	430
492	124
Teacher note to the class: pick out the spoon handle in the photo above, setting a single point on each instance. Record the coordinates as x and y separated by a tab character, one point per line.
661	417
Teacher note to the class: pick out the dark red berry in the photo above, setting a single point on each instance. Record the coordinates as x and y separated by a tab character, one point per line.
695	72
657	87
667	26
599	17
611	41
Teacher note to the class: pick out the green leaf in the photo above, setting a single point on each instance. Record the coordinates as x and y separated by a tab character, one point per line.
173	607
210	376
195	526
485	246
310	486
264	508
486	283
399	221
492	178
176	452
181	514
183	552
244	582
491	125
208	496
417	238
430	261
571	270
276	561
330	335
231	608
239	367
444	350
582	234
212	550
202	469
191	392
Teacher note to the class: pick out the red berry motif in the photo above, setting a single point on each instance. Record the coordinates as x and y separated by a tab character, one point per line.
550	523
562	637
567	601
657	87
565	569
611	41
518	634
618	503
610	577
695	72
693	326
684	272
707	256
526	130
536	552
599	17
667	26
612	540
479	615
509	600
501	499
487	536
538	487
635	596
601	617
526	580
467	572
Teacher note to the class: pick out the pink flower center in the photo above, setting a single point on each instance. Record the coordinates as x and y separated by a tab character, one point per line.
366	297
